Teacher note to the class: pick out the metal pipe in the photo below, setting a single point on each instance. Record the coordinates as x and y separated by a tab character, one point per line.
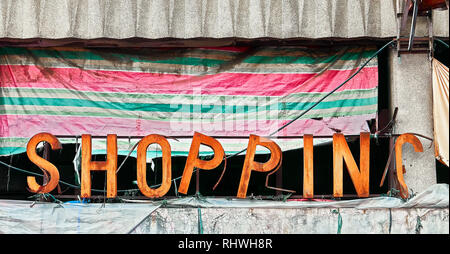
413	25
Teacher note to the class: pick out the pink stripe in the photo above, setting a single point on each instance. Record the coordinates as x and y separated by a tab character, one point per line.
29	125
218	84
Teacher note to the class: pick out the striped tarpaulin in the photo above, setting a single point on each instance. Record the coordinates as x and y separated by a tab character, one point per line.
229	91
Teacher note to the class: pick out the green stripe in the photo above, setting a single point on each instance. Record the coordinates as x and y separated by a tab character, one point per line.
306	59
252	101
23	139
89	55
177	60
184	70
183	108
153	154
13	139
150	154
55	91
86	55
255	59
12	150
329	104
186	119
16	150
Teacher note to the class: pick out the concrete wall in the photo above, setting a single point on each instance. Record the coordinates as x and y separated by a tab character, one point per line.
411	91
296	221
121	19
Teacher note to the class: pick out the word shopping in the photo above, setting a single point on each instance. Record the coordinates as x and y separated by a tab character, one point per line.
341	154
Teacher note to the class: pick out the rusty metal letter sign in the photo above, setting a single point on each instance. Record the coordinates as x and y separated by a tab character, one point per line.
110	165
341	153
42	163
404	138
250	164
193	160
142	166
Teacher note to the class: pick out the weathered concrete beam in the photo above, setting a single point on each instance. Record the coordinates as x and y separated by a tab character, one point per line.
297	221
411	91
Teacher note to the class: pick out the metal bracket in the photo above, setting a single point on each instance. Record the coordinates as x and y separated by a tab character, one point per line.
390	125
412	44
276	188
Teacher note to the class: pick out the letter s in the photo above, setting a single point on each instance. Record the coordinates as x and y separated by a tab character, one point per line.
42	163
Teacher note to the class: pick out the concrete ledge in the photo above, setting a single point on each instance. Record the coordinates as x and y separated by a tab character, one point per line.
296	221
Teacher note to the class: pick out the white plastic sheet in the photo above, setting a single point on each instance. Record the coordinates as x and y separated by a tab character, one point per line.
22	217
29	217
440	111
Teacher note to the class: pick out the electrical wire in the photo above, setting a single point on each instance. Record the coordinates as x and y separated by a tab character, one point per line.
77	186
200	221
441	41
319	101
233	155
324	97
336	211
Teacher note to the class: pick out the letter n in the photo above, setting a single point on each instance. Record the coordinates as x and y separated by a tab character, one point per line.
341	152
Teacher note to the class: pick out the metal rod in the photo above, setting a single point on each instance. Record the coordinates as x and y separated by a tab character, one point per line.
388	163
405	13
413	25
392	180
197	182
46	156
279	181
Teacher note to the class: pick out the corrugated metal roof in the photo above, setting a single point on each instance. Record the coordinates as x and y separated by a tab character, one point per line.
154	19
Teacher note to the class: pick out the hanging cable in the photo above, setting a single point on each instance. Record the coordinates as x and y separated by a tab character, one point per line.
129	153
419	225
441	41
324	97
200	222
315	104
336	211
273	133
390	220
77	186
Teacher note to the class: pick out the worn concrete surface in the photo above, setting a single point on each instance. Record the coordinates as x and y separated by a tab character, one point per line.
297	221
427	212
411	91
120	19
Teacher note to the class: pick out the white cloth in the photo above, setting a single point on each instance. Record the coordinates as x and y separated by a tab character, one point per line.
440	111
